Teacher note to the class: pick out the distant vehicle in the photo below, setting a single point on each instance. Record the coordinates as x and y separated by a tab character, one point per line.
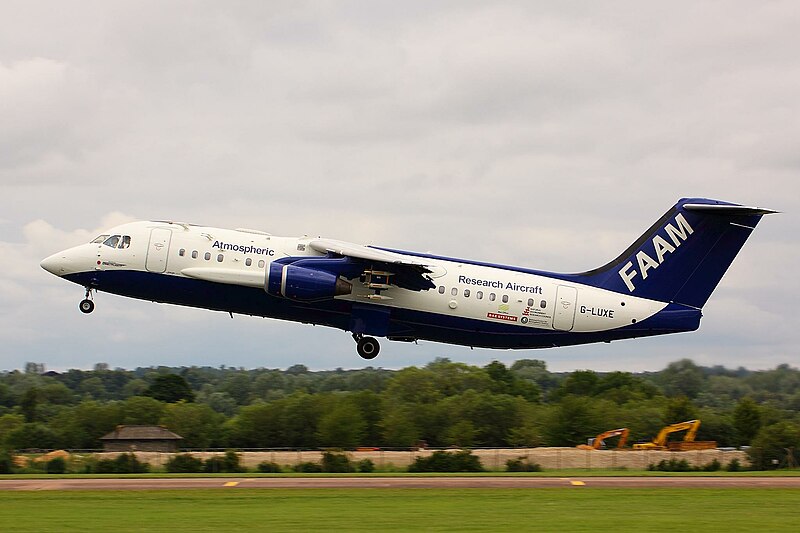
657	286
688	443
599	441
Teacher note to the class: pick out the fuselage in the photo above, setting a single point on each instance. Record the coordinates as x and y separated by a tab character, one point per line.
470	303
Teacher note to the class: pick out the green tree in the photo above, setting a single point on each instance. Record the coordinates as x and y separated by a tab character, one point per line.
342	426
82	426
573	420
579	383
775	446
746	420
32	435
198	424
9	423
170	388
682	378
139	410
679	409
29	403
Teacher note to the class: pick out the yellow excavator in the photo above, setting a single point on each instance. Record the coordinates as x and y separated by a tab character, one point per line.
597	442
688	443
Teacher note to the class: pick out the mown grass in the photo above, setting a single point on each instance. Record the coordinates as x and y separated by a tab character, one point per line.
564	509
565	472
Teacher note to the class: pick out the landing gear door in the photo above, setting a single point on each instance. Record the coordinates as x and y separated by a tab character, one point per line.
158	250
564	315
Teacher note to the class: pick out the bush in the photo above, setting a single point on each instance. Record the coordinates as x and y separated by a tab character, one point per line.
336	462
441	461
365	466
6	462
713	466
268	467
56	465
184	463
734	466
521	464
308	468
125	463
227	463
673	465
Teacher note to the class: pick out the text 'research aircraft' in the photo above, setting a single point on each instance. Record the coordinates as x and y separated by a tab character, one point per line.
657	286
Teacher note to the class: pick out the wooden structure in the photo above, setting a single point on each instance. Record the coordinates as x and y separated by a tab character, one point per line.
141	439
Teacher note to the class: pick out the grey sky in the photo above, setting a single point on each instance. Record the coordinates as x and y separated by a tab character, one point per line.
548	136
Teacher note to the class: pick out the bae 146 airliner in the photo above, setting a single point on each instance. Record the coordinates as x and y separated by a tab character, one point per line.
657	286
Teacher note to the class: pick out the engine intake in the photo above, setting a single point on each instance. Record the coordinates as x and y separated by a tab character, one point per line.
304	284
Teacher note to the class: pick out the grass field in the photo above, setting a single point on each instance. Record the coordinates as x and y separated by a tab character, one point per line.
570	509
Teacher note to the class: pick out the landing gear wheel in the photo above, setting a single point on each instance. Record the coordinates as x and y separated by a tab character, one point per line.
86	306
368	347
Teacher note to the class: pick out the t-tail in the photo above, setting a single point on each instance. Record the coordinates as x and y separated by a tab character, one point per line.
683	256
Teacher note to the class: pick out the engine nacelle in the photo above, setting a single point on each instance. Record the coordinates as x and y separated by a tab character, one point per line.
305	284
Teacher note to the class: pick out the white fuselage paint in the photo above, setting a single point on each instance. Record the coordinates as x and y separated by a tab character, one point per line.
507	296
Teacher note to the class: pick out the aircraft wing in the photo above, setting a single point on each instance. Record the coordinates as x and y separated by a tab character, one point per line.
406	272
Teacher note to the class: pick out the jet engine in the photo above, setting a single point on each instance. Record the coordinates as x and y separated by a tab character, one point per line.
305	284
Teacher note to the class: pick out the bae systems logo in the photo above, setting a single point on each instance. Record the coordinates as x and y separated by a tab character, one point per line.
677	234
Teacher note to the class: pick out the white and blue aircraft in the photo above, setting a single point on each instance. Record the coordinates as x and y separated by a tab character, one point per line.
657	286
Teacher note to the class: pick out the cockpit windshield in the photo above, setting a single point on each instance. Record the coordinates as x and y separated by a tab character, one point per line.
114	241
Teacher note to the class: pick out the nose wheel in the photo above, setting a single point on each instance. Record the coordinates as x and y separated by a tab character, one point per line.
367	347
86	306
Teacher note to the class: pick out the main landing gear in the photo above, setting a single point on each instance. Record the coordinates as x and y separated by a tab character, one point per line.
86	305
367	347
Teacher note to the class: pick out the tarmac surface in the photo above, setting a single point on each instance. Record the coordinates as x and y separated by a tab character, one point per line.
396	483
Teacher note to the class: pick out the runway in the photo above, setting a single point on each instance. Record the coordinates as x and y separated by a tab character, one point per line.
237	483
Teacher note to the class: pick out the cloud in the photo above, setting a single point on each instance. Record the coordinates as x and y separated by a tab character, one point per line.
547	135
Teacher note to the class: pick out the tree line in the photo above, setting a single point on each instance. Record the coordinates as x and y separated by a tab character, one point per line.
444	403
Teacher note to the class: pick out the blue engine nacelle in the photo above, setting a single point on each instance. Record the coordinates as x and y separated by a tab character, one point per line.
305	284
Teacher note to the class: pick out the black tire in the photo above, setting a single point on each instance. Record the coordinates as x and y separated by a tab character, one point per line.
86	306
368	347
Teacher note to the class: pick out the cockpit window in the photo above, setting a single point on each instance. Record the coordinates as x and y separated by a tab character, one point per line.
115	241
99	239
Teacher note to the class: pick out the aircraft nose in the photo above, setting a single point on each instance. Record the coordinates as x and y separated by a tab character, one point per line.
54	264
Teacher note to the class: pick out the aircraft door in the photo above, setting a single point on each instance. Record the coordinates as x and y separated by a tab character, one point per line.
158	250
564	314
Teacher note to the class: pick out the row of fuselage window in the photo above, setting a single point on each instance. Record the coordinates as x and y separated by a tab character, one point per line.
492	296
220	257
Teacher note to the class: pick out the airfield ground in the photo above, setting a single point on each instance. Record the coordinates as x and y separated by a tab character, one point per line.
573	508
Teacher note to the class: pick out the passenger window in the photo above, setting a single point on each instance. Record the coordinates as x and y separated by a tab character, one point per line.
208	256
454	291
126	241
530	302
479	295
220	257
543	304
505	298
181	252
492	297
112	241
248	261
441	289
194	254
261	264
466	293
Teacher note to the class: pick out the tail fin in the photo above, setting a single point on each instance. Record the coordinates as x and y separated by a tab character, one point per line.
683	256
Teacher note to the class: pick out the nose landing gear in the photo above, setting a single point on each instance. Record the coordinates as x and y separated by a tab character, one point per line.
86	305
368	347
